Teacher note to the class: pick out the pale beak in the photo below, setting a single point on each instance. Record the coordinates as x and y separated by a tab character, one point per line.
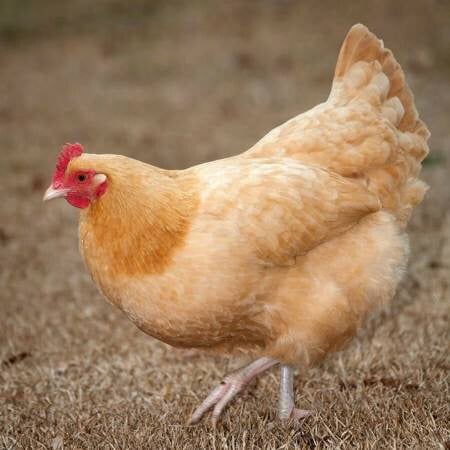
52	193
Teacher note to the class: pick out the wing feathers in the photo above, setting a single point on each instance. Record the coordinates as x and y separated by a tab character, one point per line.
282	208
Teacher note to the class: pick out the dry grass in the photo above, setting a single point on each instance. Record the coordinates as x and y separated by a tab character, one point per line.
176	86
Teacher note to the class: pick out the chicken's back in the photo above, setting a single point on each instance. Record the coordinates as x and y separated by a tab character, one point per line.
368	129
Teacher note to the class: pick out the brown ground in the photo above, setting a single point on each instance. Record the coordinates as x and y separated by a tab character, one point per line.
176	86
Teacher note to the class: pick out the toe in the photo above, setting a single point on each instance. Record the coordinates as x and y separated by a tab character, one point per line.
295	416
300	413
223	402
209	402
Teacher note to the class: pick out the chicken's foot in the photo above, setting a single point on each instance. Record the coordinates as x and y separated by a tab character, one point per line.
231	385
286	406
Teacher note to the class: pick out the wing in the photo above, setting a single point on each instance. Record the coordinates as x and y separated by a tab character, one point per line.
280	208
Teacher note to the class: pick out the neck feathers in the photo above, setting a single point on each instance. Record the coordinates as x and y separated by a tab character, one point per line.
138	225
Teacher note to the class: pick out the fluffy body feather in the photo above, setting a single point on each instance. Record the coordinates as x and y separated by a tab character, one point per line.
280	251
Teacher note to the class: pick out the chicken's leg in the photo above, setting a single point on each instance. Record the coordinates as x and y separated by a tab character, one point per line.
286	407
231	385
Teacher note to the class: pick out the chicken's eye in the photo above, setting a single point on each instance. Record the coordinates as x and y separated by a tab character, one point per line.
81	177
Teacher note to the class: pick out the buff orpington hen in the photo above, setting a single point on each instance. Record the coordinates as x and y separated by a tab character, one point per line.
278	253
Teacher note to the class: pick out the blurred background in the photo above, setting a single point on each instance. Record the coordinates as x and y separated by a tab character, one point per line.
176	84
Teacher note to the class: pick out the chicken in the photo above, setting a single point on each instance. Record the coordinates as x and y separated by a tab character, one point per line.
278	253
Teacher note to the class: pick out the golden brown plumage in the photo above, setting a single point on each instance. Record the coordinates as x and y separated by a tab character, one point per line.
279	252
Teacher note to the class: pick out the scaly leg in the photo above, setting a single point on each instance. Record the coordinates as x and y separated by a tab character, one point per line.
231	385
286	408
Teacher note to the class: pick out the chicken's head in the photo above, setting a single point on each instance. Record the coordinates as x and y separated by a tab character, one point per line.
78	187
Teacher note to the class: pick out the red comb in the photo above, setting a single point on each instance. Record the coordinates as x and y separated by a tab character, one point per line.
68	152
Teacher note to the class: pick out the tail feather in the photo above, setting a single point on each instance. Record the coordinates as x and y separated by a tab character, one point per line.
369	73
368	129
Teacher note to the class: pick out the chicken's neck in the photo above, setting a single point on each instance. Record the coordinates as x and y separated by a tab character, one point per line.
136	228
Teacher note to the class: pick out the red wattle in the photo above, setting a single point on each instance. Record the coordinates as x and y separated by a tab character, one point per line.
78	201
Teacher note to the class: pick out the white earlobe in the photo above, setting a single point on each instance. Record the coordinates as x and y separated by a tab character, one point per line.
99	178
